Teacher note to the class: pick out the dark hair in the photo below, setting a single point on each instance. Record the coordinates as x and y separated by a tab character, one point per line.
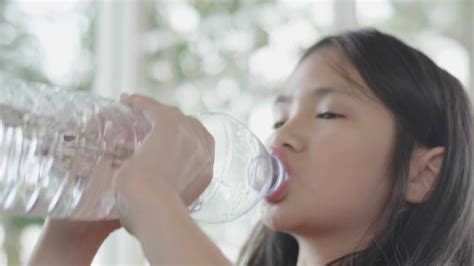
430	109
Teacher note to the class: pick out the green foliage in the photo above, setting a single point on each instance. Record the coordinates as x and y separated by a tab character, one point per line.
21	53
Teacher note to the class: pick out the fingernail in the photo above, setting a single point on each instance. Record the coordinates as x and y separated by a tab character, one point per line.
123	95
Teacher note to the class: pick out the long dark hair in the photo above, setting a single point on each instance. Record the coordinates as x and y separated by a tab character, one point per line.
431	109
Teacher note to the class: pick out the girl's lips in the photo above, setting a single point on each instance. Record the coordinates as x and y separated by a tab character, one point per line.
280	192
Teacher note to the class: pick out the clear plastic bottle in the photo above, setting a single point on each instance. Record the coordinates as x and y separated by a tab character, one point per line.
57	146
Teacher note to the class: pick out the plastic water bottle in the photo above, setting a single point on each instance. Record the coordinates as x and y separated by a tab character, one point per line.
57	146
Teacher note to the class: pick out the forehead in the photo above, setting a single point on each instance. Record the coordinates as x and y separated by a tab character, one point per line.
325	71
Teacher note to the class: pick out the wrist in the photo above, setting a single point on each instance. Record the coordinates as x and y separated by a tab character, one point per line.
168	235
137	205
76	232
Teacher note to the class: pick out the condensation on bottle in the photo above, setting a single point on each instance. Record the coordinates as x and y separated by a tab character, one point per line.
59	151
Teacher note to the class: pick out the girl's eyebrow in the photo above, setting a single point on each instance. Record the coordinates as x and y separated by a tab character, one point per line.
317	91
283	99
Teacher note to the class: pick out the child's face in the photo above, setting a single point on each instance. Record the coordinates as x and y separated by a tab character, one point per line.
339	164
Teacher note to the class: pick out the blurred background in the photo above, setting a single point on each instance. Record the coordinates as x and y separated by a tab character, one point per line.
204	55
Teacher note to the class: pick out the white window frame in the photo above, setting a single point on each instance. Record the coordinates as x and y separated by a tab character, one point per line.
120	68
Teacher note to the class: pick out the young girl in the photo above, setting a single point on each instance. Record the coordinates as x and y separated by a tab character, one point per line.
378	144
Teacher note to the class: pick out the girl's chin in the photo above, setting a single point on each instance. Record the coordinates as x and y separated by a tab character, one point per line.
274	217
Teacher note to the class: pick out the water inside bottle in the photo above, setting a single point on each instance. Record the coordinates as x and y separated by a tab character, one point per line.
45	165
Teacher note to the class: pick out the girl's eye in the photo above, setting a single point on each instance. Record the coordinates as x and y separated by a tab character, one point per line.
278	124
329	115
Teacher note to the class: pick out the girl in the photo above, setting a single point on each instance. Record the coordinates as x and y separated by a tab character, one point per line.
377	141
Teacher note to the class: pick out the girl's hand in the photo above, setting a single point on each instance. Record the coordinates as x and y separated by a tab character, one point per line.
172	166
176	157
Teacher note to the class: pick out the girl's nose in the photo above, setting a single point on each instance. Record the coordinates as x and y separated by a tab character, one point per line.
288	136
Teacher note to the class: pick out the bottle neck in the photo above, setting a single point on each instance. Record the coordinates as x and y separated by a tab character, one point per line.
279	174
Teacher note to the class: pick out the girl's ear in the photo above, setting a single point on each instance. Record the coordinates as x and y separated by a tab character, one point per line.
425	166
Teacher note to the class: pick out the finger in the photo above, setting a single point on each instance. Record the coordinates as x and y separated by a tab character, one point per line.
198	129
122	95
207	136
139	102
